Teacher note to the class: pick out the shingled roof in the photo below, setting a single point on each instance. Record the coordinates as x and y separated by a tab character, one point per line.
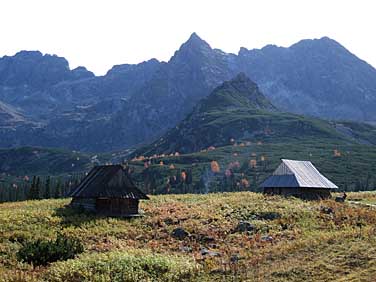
292	173
107	181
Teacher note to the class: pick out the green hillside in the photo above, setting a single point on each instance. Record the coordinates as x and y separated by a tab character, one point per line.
227	237
43	161
350	166
237	110
240	130
36	172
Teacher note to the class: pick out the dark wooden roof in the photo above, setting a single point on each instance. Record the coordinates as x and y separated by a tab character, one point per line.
107	181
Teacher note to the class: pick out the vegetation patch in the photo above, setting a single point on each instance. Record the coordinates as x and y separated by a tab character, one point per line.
123	266
43	252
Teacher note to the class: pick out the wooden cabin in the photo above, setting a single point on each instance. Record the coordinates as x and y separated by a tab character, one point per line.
108	190
299	179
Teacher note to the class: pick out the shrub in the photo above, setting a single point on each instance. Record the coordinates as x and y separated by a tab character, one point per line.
42	252
126	266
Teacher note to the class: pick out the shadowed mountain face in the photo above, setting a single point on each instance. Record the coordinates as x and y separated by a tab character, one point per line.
237	110
134	104
315	77
240	92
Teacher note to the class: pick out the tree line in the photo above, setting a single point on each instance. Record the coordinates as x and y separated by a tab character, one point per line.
38	187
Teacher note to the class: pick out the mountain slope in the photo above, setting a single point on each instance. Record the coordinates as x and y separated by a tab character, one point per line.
63	108
316	77
193	71
9	116
238	93
45	161
237	110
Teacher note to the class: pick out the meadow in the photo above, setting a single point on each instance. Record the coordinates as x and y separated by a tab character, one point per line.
240	236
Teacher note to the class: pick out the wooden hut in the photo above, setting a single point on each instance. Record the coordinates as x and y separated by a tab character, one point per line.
299	179
108	190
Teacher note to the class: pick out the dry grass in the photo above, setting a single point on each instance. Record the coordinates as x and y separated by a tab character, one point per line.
292	240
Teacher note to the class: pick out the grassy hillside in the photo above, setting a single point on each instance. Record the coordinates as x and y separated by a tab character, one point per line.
351	166
44	161
287	240
238	110
55	169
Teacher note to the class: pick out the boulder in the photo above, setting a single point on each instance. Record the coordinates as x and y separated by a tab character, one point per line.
179	233
206	252
206	239
169	221
268	215
327	210
186	249
340	199
244	226
267	238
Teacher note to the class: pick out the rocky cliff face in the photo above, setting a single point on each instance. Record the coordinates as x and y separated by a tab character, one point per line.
315	77
33	69
193	71
134	104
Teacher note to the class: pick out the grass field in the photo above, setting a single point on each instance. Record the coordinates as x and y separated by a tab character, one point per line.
364	198
287	240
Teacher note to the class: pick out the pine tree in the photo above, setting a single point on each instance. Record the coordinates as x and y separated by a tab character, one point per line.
47	188
18	193
2	194
58	189
37	188
32	191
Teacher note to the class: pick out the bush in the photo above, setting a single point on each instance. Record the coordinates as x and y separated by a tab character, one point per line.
129	266
43	252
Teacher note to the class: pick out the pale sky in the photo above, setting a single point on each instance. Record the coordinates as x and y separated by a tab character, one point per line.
99	34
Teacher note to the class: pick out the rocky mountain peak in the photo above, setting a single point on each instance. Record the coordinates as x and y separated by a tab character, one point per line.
318	44
28	54
34	69
195	39
241	81
239	92
123	69
193	48
81	73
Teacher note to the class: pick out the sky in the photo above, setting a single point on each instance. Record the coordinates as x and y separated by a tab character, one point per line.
99	34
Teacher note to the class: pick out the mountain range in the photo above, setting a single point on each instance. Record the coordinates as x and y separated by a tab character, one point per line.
45	103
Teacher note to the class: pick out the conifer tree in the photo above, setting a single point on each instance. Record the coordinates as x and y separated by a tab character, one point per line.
47	188
2	194
37	188
58	189
32	191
